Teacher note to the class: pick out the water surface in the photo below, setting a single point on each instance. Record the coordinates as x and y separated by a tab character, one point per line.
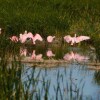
71	80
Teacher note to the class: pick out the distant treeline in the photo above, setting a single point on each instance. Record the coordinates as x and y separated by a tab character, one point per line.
49	17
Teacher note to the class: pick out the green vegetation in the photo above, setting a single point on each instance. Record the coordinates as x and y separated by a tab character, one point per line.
46	17
50	16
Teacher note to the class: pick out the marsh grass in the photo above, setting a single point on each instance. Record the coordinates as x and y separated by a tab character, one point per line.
50	17
17	82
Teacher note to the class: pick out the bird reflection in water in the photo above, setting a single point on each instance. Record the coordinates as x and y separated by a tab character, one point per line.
36	57
50	54
73	56
23	52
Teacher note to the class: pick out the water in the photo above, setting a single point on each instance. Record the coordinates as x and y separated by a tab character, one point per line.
64	83
65	76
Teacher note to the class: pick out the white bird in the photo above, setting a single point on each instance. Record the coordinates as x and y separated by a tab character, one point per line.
75	39
50	39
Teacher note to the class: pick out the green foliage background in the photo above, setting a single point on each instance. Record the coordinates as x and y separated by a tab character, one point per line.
50	16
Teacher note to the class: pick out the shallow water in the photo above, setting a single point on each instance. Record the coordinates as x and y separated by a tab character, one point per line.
61	81
64	83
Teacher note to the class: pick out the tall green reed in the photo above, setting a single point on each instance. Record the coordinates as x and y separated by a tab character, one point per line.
55	17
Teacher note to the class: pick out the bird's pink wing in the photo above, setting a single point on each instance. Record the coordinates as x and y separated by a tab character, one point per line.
81	38
38	37
49	38
30	35
68	38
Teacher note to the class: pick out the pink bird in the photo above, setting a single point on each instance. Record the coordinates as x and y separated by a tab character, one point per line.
25	36
36	57
50	39
50	54
75	56
30	35
14	38
75	39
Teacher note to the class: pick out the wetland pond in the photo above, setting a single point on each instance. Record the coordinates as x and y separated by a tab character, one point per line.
49	72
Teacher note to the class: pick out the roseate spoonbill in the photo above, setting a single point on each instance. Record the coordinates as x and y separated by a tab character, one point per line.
14	38
36	57
22	38
30	36
50	54
75	56
50	39
25	36
75	39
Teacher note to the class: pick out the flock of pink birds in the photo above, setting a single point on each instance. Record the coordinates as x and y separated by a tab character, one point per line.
28	35
71	40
